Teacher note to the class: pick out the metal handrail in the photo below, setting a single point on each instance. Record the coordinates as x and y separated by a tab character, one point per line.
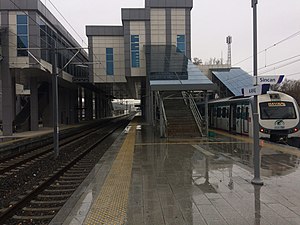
164	124
189	100
164	118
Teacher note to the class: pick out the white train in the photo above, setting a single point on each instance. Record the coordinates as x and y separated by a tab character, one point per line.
278	115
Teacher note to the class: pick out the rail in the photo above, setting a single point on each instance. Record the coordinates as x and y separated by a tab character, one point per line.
189	101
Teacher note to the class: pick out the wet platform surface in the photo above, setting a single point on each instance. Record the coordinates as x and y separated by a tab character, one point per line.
205	181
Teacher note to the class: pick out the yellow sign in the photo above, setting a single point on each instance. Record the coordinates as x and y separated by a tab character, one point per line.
276	104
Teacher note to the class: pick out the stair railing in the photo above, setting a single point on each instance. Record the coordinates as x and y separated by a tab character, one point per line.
162	117
189	101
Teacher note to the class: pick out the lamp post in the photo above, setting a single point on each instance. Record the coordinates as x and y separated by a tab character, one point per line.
256	149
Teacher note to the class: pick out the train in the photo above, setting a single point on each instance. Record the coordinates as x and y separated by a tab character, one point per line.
278	115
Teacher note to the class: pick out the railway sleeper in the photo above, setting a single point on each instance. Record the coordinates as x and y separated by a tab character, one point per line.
72	178
54	196
41	209
48	202
63	186
60	190
45	217
71	182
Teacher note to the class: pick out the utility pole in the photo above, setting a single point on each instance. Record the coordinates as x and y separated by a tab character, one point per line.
55	101
256	148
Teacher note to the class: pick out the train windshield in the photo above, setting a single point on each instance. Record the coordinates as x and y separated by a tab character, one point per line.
277	110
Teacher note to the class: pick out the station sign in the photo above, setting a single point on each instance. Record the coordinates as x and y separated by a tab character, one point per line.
268	79
256	90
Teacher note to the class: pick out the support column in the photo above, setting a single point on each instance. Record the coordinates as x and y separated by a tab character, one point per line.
48	112
88	101
34	105
96	106
7	83
79	103
73	106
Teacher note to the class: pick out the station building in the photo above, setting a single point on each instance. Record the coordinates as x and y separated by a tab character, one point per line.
147	55
29	32
146	58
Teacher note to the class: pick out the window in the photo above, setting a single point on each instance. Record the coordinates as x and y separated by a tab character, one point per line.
238	113
181	43
135	51
22	34
109	61
224	112
277	110
219	112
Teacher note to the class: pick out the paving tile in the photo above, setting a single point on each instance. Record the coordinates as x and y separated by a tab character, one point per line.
282	210
209	212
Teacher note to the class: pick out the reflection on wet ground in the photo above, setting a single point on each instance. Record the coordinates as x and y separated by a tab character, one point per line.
207	181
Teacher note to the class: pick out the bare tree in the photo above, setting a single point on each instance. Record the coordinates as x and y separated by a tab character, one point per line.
197	61
290	87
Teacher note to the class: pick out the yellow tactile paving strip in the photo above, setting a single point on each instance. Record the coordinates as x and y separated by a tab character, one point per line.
110	207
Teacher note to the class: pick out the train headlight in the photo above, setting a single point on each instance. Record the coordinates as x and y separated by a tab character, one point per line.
296	129
262	130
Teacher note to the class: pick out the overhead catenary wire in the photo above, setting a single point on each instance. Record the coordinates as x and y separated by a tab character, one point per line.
271	46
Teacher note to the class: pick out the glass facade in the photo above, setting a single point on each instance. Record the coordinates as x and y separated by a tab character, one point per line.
135	51
181	43
22	34
109	61
47	37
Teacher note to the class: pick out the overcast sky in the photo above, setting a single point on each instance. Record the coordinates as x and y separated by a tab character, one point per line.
212	21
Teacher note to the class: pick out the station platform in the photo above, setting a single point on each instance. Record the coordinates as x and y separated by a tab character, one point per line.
147	180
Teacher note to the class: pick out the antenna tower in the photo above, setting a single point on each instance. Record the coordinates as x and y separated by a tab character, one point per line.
229	41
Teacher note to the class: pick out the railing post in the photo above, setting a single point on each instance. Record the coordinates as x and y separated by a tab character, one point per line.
206	113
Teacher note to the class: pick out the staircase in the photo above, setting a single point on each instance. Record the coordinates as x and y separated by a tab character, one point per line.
181	122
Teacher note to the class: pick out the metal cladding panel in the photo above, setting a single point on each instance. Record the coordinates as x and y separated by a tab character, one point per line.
234	79
135	14
169	3
104	31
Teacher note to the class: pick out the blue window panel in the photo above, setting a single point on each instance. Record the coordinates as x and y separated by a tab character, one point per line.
22	42
109	68
109	58
135	59
22	29
109	51
180	38
181	47
135	51
135	46
181	43
135	38
22	19
135	64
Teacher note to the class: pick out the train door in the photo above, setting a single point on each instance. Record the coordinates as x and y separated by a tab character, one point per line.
246	120
233	118
239	123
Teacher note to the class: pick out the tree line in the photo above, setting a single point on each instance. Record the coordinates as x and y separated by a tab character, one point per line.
290	87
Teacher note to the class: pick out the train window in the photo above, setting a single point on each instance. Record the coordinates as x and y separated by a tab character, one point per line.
227	113
218	112
277	110
224	112
238	112
247	113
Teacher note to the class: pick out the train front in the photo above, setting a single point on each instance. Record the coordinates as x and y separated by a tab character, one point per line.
278	116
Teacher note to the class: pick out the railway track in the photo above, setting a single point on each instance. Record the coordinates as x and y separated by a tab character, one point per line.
39	202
